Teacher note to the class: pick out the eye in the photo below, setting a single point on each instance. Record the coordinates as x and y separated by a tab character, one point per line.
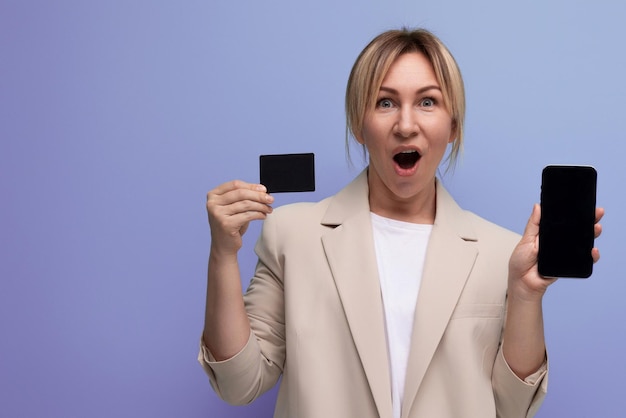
384	104
428	102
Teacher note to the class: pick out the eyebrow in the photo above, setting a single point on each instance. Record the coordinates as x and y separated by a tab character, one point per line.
419	91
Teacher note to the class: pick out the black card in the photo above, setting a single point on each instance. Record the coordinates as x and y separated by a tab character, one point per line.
288	172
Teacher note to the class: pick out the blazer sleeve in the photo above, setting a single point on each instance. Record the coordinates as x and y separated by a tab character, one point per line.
257	367
516	397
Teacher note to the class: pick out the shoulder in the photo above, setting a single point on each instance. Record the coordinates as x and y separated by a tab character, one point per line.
332	211
469	225
493	240
487	228
292	226
301	212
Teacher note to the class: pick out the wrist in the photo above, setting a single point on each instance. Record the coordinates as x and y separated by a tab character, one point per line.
225	246
519	292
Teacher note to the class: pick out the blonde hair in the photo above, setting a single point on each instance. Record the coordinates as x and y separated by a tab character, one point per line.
372	65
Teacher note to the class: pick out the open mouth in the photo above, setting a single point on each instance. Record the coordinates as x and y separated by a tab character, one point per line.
407	159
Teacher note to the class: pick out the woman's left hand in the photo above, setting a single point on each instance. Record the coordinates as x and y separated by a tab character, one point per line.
525	282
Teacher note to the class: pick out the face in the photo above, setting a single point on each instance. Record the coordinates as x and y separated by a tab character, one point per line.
406	135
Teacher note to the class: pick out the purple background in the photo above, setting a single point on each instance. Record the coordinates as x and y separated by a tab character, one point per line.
116	118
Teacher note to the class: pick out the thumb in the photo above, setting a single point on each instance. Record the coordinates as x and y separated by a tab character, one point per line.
244	228
531	232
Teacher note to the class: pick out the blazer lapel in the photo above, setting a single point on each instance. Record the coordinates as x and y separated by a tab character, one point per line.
349	249
450	257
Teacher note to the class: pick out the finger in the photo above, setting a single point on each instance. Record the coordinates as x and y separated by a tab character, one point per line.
599	214
235	225
238	194
597	230
244	206
595	254
229	217
242	219
236	185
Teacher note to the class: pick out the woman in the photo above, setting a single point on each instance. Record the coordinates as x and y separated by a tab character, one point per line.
387	299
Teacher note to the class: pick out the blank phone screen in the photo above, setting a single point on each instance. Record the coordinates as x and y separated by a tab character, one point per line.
566	236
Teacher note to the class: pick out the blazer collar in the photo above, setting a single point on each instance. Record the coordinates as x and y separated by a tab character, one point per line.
349	249
450	256
350	253
352	200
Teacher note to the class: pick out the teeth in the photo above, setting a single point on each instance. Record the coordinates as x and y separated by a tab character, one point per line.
407	152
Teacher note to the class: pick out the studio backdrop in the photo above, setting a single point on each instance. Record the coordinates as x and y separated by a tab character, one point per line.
117	117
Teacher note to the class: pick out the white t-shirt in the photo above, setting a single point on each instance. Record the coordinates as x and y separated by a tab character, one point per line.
400	252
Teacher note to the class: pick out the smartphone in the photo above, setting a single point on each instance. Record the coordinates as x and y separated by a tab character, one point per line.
568	206
288	172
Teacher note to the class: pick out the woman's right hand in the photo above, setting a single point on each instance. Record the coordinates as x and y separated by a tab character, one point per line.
231	206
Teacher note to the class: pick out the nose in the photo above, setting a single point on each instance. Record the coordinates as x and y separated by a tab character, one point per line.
407	124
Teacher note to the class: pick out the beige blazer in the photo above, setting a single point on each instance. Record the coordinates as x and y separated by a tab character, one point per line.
316	314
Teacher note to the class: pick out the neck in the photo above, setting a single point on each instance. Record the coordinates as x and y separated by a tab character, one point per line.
420	208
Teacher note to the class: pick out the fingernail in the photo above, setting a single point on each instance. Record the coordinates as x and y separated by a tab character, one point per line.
269	198
260	188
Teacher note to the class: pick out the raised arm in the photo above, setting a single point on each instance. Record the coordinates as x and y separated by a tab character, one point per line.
523	341
230	207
